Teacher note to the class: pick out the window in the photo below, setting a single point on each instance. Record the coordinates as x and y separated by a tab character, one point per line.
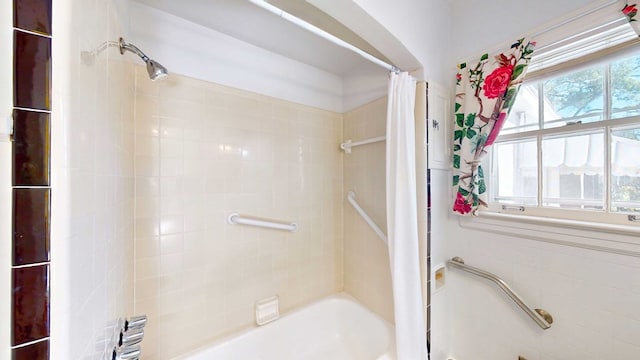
571	145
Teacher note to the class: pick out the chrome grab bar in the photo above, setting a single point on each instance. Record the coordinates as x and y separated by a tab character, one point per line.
540	316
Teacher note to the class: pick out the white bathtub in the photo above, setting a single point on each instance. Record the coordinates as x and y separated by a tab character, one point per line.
334	328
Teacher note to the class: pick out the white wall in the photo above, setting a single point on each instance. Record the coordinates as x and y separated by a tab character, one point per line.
92	179
479	25
193	50
427	30
442	311
6	65
592	295
190	49
363	85
570	282
424	27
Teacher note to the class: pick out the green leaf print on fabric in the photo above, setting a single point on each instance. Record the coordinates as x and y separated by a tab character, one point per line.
485	92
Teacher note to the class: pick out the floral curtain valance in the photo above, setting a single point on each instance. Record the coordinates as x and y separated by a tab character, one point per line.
485	92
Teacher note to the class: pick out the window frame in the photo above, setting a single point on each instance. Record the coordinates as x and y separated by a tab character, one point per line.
545	214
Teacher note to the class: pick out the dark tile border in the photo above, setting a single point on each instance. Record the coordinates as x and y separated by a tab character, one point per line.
35	351
31	71
31	148
30	274
30	320
32	15
31	225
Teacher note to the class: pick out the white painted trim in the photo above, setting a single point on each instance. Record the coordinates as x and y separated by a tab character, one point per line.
577	128
616	239
59	306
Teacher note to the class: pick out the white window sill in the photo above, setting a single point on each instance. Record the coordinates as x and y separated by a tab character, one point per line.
612	238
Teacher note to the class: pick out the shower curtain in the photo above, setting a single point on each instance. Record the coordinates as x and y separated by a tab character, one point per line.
402	219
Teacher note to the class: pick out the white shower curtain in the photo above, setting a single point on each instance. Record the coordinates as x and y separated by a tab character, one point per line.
402	219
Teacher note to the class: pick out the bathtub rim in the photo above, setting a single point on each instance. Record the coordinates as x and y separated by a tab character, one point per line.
338	296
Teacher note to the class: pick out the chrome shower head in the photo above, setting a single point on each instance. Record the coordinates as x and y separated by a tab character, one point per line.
155	69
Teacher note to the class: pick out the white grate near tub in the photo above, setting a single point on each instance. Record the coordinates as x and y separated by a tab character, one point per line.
267	310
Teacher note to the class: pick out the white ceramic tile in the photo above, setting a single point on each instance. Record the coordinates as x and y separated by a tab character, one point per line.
147	125
170	244
171	127
147	247
230	159
147	186
147	227
147	166
92	121
171	224
366	257
171	148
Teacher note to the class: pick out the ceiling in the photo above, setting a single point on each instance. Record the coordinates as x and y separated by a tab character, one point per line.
248	22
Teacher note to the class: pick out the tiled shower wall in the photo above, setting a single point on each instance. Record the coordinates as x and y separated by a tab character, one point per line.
92	178
202	152
366	258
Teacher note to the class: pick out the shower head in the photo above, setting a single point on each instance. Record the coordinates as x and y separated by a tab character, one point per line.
155	69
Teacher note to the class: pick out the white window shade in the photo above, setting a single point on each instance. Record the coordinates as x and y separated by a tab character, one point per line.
607	36
581	38
625	157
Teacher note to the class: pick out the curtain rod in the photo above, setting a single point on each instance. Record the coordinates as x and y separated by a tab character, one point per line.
316	30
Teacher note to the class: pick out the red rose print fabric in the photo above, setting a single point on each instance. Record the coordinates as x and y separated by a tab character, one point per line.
630	11
485	92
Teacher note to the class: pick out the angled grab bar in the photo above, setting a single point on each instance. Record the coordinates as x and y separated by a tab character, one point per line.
236	219
540	316
351	196
347	145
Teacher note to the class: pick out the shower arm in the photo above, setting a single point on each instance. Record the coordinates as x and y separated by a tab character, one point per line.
134	49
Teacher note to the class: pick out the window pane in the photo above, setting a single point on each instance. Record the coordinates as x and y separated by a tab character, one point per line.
625	170
524	113
573	171
577	96
625	82
516	175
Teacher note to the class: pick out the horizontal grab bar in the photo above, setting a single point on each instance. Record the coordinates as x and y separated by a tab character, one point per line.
347	145
236	219
351	196
540	316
